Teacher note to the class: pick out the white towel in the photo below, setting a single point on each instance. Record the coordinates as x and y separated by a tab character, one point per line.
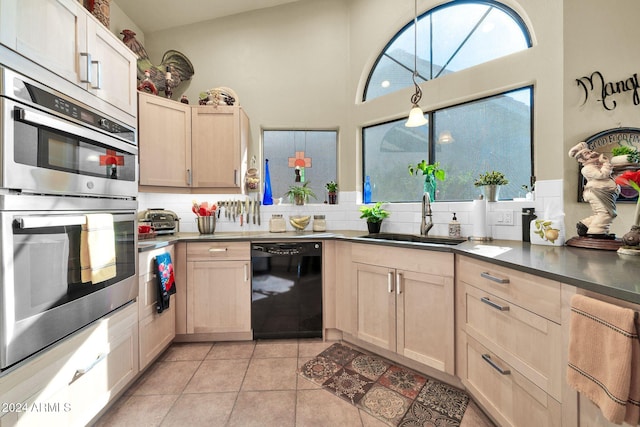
97	249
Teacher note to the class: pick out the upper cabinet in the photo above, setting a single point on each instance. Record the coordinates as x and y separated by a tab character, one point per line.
63	37
219	144
164	141
193	148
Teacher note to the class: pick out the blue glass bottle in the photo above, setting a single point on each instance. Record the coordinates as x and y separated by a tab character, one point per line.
367	189
267	199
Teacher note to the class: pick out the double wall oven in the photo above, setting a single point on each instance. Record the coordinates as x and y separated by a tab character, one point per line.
61	162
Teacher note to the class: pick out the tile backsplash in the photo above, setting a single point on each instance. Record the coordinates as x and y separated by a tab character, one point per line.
404	218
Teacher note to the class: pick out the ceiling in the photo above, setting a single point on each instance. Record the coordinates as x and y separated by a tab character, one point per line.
156	15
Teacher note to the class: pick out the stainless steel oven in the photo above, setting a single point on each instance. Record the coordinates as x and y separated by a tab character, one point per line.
43	296
63	166
52	144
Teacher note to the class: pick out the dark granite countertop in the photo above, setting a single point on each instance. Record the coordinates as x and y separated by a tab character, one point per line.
601	271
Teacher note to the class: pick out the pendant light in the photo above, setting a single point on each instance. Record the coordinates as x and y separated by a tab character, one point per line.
416	116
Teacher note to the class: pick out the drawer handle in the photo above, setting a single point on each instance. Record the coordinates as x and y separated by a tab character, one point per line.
217	249
494	305
81	371
494	365
390	282
398	283
486	275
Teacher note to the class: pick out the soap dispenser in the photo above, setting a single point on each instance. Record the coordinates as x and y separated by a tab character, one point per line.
454	227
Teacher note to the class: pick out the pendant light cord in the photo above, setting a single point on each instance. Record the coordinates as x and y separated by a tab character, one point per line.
417	96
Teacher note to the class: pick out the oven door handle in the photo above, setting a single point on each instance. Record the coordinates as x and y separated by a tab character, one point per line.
49	121
29	222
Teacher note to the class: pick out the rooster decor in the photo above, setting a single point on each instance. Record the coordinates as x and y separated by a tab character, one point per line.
173	62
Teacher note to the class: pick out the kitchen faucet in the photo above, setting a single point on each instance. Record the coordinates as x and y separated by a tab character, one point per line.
426	212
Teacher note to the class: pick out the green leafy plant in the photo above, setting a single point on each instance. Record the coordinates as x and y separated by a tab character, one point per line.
331	186
632	153
491	178
374	213
299	194
428	169
622	150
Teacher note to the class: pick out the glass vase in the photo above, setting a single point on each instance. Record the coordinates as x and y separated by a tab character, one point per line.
430	186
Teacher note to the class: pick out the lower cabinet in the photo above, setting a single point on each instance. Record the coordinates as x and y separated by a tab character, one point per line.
510	343
157	330
219	290
71	383
404	303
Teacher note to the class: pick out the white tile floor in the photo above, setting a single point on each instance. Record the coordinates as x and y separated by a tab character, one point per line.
239	384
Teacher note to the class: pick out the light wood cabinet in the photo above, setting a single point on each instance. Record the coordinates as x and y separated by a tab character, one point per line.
219	290
156	330
344	292
219	144
164	141
404	302
509	342
63	37
74	380
194	148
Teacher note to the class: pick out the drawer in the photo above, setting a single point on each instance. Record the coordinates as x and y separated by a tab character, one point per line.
506	393
533	293
418	260
72	382
530	343
207	251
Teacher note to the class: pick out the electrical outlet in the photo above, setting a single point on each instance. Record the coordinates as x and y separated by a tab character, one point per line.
503	217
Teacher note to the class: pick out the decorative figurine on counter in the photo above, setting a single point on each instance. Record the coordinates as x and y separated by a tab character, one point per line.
184	99
601	191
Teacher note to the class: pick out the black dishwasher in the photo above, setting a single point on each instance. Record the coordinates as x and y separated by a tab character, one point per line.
286	298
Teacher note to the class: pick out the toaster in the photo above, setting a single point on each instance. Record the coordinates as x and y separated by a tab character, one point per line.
163	221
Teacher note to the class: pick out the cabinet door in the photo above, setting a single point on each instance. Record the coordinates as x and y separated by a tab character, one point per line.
219	146
376	305
113	68
425	319
164	141
218	296
52	33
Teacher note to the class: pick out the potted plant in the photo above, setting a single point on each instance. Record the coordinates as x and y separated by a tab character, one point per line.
332	190
624	155
431	172
490	183
374	216
299	194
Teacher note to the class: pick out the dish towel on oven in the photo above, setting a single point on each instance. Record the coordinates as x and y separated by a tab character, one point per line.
604	357
166	280
97	249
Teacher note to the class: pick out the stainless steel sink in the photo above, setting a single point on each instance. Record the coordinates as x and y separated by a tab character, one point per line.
415	238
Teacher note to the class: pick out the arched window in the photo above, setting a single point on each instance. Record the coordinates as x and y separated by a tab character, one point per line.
451	37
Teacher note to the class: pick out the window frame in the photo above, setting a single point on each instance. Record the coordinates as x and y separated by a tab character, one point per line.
430	155
318	187
427	14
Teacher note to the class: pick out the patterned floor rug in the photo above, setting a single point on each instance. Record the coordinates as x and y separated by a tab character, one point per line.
394	394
